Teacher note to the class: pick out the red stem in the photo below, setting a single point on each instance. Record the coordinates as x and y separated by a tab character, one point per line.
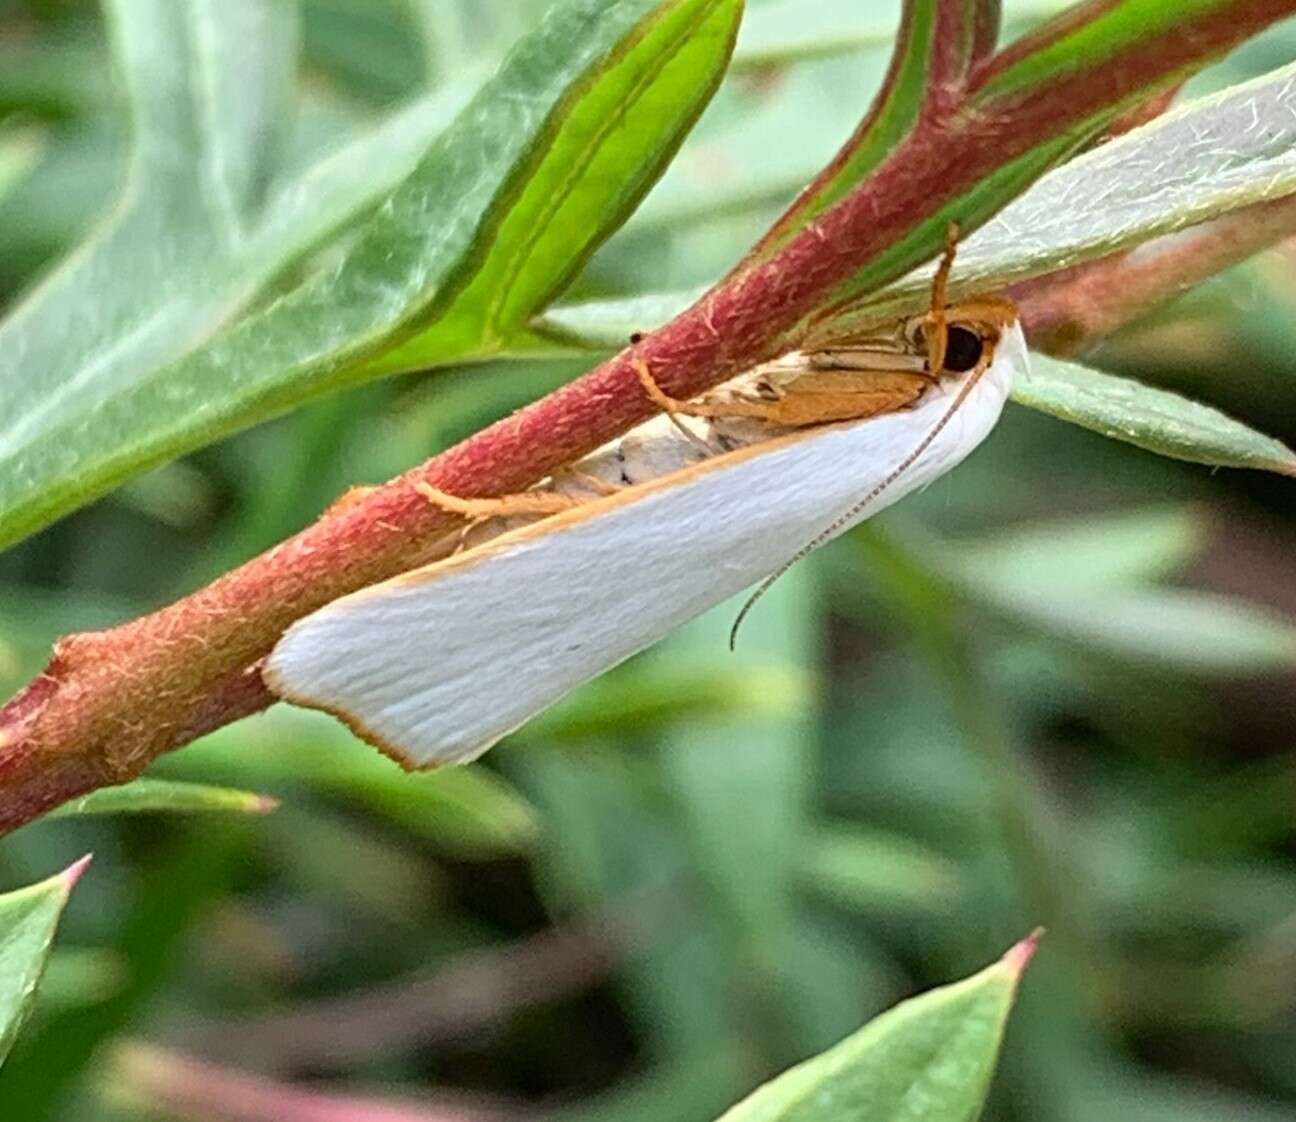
1070	311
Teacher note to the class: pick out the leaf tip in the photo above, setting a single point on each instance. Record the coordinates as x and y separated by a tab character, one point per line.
262	804
73	872
1020	954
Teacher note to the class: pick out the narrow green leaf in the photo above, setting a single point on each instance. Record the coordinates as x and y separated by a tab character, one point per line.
151	795
894	113
740	788
201	227
876	870
28	919
53	77
1088	554
1153	419
76	977
930	1059
471	812
655	693
1177	630
1093	40
19	150
607	143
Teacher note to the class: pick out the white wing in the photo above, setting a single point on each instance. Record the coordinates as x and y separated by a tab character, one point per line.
438	664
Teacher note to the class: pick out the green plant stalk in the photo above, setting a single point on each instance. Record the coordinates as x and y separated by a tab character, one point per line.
108	703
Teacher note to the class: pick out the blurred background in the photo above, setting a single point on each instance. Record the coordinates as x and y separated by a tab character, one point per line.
1056	688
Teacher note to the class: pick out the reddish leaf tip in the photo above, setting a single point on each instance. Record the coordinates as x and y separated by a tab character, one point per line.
264	804
1019	955
73	872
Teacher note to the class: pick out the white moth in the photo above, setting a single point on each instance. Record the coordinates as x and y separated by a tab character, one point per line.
436	665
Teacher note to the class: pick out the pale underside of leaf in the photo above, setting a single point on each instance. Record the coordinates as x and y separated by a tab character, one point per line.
1207	158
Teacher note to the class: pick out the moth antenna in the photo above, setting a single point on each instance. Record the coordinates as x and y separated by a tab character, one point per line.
835	526
937	341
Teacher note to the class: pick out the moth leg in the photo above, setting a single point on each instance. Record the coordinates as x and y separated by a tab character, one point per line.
938	337
672	407
585	479
505	506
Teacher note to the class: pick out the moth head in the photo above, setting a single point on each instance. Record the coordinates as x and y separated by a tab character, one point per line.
970	331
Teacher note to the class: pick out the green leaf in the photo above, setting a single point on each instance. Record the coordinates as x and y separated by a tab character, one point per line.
19	150
930	1059
875	870
469	812
741	787
76	977
656	692
1153	419
203	225
652	67
1180	631
28	919
1091	41
542	164
1086	555
150	795
1183	631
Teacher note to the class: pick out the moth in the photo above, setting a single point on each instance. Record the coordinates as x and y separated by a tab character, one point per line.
565	581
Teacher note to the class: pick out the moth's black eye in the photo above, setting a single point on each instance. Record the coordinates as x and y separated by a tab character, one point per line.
963	349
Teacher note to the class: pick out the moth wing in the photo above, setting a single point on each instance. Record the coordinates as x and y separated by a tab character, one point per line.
438	664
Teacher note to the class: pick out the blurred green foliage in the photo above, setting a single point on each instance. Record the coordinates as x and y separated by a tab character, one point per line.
1056	688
